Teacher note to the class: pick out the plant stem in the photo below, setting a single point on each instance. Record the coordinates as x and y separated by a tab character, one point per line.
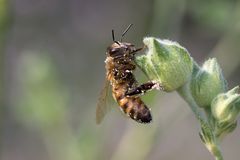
213	147
185	93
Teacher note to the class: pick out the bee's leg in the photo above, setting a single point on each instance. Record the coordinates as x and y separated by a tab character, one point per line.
144	88
138	49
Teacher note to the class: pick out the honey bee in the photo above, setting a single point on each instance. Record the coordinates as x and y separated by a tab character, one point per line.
125	90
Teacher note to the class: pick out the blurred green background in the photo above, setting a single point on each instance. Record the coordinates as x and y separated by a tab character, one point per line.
52	66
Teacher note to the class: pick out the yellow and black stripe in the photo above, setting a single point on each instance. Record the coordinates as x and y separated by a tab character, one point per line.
134	107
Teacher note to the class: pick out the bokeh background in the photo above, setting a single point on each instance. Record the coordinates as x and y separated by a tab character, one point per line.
52	70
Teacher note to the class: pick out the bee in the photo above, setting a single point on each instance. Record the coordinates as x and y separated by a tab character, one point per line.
125	90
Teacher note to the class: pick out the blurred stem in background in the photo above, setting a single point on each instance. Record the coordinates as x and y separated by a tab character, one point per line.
5	19
42	105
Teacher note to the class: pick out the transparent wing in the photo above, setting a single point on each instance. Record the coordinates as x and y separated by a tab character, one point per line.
102	106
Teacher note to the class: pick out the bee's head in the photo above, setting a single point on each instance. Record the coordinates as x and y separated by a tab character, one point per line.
119	48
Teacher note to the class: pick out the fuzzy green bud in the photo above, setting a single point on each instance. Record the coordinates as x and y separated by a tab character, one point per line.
226	106
166	62
207	82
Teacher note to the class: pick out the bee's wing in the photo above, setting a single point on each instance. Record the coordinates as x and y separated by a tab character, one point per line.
102	106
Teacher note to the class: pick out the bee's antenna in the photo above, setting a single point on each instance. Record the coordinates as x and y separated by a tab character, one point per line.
126	31
113	37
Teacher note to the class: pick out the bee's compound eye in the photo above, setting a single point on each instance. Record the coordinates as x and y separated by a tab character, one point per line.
114	51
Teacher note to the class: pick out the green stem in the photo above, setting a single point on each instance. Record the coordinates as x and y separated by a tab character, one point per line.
185	93
210	142
217	152
210	118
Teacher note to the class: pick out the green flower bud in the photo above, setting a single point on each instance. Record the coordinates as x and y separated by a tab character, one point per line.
226	106
222	129
207	82
166	62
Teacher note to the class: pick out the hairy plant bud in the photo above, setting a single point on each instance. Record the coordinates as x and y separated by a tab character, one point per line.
207	82
166	62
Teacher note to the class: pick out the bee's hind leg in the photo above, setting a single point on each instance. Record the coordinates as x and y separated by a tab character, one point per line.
141	89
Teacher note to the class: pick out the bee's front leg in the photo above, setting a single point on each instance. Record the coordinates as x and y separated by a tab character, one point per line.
137	49
141	89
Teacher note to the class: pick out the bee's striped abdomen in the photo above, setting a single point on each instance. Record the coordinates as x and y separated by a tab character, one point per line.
134	107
